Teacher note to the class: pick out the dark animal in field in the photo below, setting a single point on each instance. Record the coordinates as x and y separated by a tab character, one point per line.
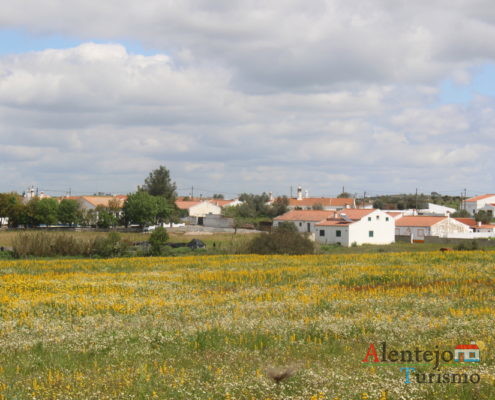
444	249
279	374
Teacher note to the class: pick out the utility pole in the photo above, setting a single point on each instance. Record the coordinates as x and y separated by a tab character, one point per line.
192	192
416	201
291	192
364	198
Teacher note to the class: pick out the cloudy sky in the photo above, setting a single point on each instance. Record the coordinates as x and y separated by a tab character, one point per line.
248	96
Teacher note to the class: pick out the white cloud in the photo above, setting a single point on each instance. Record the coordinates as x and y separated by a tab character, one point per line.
249	95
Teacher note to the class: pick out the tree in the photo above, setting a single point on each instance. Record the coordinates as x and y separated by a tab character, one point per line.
483	216
106	218
68	212
12	207
218	196
157	239
461	214
142	209
158	183
42	211
344	195
317	206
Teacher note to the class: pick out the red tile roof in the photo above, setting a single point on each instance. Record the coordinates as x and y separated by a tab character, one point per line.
355	213
467	347
104	200
481	197
186	205
418	221
334	222
324	201
467	221
305	215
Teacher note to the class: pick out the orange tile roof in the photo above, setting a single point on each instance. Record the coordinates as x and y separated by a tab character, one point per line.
221	202
305	215
466	221
418	220
481	197
324	201
186	205
487	226
104	200
394	213
356	213
334	222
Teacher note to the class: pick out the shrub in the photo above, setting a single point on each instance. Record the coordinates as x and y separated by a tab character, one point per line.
285	239
44	244
157	240
109	246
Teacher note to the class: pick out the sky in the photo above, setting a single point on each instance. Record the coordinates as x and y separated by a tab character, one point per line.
382	96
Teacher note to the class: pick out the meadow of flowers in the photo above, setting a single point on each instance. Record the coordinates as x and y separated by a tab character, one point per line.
230	327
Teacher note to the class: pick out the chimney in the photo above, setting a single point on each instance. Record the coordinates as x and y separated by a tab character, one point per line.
479	223
306	193
299	193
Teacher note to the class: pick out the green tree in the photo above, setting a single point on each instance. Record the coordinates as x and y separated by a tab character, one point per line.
158	183
344	195
483	216
106	218
141	208
218	196
461	214
12	207
68	212
42	211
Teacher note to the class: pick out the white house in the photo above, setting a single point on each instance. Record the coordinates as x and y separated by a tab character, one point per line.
357	226
304	220
199	208
474	204
435	209
418	227
467	353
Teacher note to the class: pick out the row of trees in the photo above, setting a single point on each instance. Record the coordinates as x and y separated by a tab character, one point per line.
154	202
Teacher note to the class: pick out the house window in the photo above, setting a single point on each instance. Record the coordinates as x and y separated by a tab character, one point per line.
377	217
472	355
370	233
322	232
386	218
338	233
369	218
300	223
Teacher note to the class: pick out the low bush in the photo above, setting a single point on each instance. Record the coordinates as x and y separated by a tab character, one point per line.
157	240
48	244
284	239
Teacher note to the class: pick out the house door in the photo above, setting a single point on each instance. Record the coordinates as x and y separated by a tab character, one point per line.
200	220
461	357
309	227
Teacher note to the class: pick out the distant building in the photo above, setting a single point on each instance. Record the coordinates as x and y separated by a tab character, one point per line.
304	220
418	227
435	209
356	226
474	204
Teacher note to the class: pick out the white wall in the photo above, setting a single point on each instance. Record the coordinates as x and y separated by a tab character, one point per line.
383	230
357	232
302	226
203	208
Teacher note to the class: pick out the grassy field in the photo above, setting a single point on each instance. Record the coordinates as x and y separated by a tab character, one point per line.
229	327
236	243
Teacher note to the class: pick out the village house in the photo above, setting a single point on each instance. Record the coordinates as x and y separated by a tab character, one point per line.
418	227
198	209
467	353
355	227
304	220
474	204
